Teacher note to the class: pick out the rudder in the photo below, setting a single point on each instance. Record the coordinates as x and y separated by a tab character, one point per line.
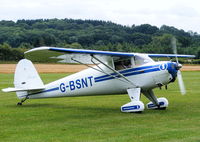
26	79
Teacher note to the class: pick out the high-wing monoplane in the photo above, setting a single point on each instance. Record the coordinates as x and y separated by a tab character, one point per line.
108	73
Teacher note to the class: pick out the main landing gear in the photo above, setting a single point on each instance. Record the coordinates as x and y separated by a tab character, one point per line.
137	106
23	100
156	103
163	104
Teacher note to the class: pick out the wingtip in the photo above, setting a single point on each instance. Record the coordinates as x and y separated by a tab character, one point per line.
6	90
37	49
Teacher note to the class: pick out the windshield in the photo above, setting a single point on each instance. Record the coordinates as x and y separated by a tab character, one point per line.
141	59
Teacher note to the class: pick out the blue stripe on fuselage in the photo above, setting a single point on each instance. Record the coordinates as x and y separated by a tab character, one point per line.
43	91
128	72
52	89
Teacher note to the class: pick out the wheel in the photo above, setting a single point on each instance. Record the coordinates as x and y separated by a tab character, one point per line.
19	104
133	106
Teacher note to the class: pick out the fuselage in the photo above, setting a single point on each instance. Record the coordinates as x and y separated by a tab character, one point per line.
93	82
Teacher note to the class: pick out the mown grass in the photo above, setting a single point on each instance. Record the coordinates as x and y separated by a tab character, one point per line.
98	118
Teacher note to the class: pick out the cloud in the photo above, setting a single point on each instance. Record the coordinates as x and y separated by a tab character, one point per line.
179	13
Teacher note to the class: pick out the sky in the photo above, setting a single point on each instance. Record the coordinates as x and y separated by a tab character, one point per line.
182	14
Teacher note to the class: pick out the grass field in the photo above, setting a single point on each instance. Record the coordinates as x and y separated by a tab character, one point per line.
98	118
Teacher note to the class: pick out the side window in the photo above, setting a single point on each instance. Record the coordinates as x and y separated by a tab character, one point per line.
142	59
122	63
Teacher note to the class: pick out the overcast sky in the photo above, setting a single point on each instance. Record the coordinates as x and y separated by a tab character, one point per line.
182	14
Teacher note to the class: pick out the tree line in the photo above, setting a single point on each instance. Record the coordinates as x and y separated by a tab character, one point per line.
21	35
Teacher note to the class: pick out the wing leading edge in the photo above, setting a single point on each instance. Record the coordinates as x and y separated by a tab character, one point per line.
66	54
171	55
81	51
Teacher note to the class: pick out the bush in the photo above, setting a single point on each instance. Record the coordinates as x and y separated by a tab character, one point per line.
10	54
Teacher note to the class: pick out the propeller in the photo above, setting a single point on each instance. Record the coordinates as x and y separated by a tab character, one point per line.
179	75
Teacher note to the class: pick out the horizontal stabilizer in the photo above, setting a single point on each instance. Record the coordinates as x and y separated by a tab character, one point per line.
21	89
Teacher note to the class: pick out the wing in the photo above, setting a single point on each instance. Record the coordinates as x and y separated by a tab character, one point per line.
171	55
68	55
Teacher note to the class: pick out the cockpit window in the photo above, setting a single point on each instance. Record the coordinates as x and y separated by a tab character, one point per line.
137	60
122	63
142	59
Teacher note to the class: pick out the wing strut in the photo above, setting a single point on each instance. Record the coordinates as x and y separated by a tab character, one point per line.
86	65
100	69
121	75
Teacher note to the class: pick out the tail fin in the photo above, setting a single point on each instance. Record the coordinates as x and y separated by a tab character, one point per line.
26	79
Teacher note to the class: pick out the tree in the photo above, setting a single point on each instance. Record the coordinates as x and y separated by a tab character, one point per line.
9	54
145	29
96	34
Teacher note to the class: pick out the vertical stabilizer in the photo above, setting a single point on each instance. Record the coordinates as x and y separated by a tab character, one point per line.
26	79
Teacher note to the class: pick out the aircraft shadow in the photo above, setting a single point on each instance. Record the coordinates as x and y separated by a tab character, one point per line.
68	107
77	108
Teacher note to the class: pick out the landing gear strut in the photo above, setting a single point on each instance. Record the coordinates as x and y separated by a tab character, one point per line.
23	100
135	105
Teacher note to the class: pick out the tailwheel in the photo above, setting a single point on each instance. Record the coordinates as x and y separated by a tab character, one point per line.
23	100
19	103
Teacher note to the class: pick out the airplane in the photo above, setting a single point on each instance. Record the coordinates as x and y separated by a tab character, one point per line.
108	73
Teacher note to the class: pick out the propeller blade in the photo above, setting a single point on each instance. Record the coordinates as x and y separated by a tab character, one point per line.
179	75
181	83
173	42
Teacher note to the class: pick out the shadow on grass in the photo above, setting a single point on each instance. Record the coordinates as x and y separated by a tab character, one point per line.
65	107
75	108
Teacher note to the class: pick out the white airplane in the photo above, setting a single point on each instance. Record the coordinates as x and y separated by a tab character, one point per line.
114	73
